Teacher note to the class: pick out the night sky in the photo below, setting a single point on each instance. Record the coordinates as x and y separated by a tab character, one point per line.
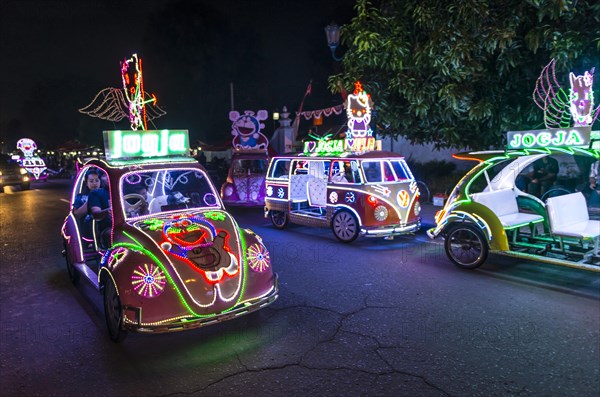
57	54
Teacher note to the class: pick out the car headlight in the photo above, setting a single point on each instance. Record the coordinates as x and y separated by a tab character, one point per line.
23	171
0	173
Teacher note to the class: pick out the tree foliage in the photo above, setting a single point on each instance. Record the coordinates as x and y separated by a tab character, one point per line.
462	73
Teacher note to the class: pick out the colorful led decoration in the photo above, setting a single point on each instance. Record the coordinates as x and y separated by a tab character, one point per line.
269	191
333	197
358	109
145	144
114	104
403	198
559	107
195	240
381	213
258	258
246	130
148	280
280	192
33	164
350	198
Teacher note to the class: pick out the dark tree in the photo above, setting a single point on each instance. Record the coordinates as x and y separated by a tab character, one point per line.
462	73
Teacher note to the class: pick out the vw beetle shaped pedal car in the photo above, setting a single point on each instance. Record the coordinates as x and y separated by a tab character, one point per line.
488	212
170	257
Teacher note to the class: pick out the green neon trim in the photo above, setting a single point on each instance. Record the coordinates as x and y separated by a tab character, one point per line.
523	224
144	251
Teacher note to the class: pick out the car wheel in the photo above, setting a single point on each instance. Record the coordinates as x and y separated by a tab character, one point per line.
279	219
25	186
113	312
345	226
73	273
466	246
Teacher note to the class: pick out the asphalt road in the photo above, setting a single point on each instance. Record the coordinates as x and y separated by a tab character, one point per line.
389	318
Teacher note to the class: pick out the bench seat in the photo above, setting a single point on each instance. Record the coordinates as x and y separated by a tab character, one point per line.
569	217
504	205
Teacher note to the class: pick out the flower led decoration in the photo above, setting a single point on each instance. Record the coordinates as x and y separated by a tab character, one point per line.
148	280
258	258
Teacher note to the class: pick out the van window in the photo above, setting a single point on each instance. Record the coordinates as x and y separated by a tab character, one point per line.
401	170
281	169
300	167
345	171
373	171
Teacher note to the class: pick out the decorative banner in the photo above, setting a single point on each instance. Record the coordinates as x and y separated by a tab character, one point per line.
144	144
358	109
552	137
114	104
33	164
559	107
315	114
246	130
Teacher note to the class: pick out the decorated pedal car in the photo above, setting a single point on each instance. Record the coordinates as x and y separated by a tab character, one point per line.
489	212
357	191
245	184
171	258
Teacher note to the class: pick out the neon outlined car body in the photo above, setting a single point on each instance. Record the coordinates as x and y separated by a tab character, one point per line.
173	258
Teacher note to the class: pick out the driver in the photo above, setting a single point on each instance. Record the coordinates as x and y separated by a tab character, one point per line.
100	209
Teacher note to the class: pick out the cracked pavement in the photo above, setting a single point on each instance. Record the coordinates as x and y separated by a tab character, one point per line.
373	318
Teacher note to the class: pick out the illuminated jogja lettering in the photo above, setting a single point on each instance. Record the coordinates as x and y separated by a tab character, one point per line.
554	137
155	143
335	147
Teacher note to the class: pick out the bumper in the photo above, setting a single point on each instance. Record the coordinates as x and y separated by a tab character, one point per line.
393	230
191	323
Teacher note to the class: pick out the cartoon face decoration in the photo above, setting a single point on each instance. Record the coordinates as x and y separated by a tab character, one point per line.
358	110
194	239
246	130
582	98
27	146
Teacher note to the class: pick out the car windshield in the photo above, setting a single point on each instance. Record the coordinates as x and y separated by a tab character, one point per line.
156	191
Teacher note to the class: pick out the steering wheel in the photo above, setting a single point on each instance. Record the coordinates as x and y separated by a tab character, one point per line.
139	201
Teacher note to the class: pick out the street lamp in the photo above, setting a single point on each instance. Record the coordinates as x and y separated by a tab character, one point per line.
332	31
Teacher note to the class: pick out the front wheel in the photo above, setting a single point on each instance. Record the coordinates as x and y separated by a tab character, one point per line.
279	219
113	312
466	246
345	226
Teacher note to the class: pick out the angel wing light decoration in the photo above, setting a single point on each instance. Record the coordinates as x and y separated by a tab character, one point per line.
114	104
562	109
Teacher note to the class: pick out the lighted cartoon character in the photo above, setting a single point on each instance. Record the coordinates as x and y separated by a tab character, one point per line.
194	239
559	107
27	146
358	109
246	129
582	98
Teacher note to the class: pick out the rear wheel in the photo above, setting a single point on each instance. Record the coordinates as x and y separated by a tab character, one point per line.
113	312
279	219
345	226
466	246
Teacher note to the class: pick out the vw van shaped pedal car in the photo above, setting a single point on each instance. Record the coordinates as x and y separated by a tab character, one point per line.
368	193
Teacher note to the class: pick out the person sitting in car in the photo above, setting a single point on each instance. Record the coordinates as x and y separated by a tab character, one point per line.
80	204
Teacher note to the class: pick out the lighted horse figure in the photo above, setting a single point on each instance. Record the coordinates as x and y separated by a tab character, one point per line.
559	107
